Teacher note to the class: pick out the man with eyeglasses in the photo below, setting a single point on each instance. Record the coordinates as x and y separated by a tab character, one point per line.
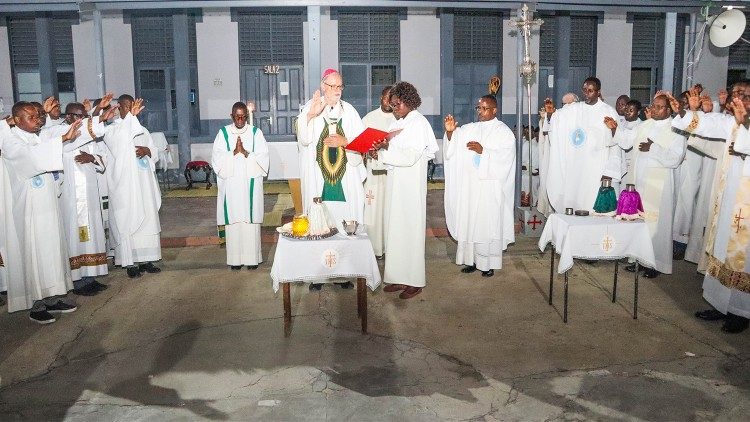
240	160
657	152
325	126
480	169
79	201
726	286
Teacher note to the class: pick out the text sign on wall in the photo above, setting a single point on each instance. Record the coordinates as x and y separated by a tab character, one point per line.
271	69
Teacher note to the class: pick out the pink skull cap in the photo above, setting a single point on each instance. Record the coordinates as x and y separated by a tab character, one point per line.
328	72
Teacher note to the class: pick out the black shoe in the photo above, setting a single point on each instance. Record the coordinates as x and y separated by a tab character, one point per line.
631	268
590	261
87	290
468	269
41	317
133	272
315	287
735	324
149	267
346	286
710	315
489	273
236	267
99	286
252	267
651	273
678	250
61	307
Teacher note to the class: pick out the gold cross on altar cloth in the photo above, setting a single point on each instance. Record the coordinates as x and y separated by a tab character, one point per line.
330	260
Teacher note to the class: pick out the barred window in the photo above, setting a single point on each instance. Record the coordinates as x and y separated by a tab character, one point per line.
270	37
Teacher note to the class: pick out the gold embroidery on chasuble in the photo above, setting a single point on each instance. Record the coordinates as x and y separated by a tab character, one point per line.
332	163
334	170
731	273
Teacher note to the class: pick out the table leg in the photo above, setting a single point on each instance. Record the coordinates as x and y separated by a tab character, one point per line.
359	301
551	273
565	305
635	293
614	285
287	310
362	303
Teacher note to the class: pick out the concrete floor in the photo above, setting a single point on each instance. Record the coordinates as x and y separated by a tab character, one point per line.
201	342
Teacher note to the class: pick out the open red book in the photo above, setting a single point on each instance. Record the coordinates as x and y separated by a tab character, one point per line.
366	140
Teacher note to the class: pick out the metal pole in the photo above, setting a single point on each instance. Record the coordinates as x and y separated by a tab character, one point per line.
519	114
670	38
691	52
314	50
99	52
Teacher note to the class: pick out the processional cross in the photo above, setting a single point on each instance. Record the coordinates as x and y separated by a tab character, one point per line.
738	220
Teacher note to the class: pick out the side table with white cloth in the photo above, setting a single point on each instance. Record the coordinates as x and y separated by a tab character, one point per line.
338	256
596	238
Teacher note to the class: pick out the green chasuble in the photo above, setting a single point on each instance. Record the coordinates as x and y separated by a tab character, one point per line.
332	163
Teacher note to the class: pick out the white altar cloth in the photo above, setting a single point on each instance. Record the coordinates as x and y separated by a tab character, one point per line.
339	256
597	238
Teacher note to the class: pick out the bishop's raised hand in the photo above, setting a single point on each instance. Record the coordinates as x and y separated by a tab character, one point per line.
316	105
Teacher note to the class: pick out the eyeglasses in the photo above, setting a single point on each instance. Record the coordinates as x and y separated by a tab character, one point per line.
75	114
483	108
239	116
341	87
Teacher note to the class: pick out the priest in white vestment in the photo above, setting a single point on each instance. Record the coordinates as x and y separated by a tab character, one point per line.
726	285
80	200
480	168
134	193
11	266
325	126
29	160
657	152
406	156
580	157
689	177
381	118
240	160
329	171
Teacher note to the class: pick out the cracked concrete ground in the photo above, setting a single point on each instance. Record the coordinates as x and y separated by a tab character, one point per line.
200	342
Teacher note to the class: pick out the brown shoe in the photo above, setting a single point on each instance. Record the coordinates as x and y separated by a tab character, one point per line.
394	288
410	292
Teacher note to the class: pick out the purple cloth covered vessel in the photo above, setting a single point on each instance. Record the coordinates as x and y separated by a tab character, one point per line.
629	203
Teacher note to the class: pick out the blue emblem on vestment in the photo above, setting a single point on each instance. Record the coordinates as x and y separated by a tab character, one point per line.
143	163
578	137
477	159
37	182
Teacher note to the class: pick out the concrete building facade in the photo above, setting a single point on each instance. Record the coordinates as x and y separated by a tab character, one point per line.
448	50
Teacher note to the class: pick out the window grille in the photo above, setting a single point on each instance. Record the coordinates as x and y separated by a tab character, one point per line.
270	37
